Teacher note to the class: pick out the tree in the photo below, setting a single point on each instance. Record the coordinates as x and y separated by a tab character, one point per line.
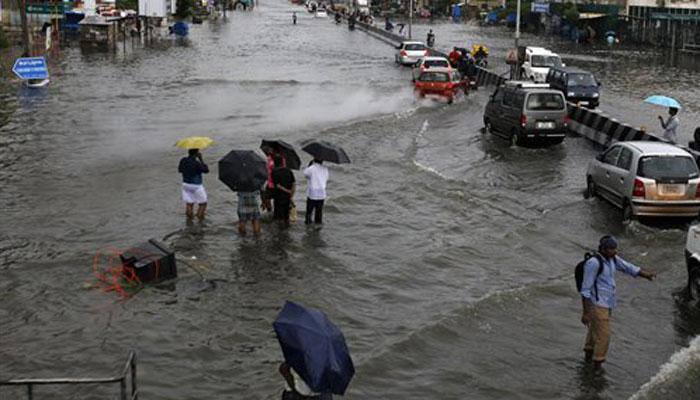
184	8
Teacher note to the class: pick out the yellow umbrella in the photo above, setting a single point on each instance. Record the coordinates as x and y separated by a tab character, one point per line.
195	142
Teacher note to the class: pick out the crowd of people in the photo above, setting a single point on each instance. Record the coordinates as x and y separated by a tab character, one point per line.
275	197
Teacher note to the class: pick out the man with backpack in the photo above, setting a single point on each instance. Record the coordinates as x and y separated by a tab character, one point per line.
595	279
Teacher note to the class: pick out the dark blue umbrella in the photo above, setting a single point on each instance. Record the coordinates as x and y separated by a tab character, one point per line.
315	348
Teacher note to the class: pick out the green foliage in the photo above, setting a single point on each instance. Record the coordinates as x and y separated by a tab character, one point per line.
128	4
512	6
184	8
4	43
567	10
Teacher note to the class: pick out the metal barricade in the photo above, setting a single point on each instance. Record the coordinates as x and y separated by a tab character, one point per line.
128	371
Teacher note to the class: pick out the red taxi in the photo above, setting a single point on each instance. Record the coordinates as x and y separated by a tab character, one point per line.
441	82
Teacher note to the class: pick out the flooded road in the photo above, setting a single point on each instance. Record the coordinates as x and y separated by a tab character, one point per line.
446	256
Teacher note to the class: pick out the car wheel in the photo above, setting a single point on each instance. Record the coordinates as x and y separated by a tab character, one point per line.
627	212
514	138
590	188
487	126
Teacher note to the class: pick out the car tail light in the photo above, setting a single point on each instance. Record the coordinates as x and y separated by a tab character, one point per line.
697	191
403	53
523	120
639	189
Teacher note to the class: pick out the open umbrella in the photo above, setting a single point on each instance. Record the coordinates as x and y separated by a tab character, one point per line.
663	101
287	150
325	151
243	170
195	142
315	348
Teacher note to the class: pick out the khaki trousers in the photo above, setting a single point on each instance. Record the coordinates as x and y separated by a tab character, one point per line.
598	337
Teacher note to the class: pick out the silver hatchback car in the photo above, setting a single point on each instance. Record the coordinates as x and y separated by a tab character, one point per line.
410	52
646	179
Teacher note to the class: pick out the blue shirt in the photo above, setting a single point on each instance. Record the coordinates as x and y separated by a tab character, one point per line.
191	170
606	279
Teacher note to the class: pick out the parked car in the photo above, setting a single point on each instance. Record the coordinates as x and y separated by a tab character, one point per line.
578	86
321	13
646	179
445	83
692	262
429	62
537	63
525	112
410	52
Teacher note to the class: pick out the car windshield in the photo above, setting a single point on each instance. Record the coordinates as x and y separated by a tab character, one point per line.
667	167
435	63
414	47
434	77
582	80
546	61
545	101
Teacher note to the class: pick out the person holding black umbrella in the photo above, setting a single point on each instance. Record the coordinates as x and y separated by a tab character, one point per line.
317	176
284	186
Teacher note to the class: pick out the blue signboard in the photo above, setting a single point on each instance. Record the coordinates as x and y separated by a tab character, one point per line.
31	68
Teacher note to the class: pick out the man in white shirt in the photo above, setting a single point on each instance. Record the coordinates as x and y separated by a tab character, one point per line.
317	176
670	126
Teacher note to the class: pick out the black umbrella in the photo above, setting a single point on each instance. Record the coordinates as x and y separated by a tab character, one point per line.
325	151
243	170
287	150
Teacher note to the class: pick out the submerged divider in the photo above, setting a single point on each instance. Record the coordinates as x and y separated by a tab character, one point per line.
594	125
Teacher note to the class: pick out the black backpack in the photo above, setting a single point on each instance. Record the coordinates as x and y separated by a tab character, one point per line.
578	271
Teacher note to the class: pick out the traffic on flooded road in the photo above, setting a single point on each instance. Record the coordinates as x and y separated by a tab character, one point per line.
444	235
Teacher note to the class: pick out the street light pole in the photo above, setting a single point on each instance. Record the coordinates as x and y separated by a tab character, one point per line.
517	25
410	18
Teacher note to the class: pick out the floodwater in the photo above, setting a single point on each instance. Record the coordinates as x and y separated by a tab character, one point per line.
446	257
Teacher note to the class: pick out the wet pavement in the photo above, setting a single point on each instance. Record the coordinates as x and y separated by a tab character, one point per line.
446	257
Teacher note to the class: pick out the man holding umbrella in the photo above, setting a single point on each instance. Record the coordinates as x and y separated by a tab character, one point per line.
317	360
670	126
284	184
317	176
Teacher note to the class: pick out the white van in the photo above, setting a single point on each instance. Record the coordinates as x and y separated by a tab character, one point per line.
537	62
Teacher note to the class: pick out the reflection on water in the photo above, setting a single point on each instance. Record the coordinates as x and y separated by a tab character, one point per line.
592	383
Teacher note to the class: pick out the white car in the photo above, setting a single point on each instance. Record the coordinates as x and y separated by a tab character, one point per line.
410	52
430	62
646	179
692	262
321	13
537	63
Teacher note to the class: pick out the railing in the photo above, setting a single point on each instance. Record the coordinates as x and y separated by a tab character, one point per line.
129	369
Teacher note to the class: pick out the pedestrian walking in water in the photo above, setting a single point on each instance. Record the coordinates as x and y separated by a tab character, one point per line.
284	184
269	187
249	210
430	39
695	143
670	126
317	176
294	17
192	167
598	296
